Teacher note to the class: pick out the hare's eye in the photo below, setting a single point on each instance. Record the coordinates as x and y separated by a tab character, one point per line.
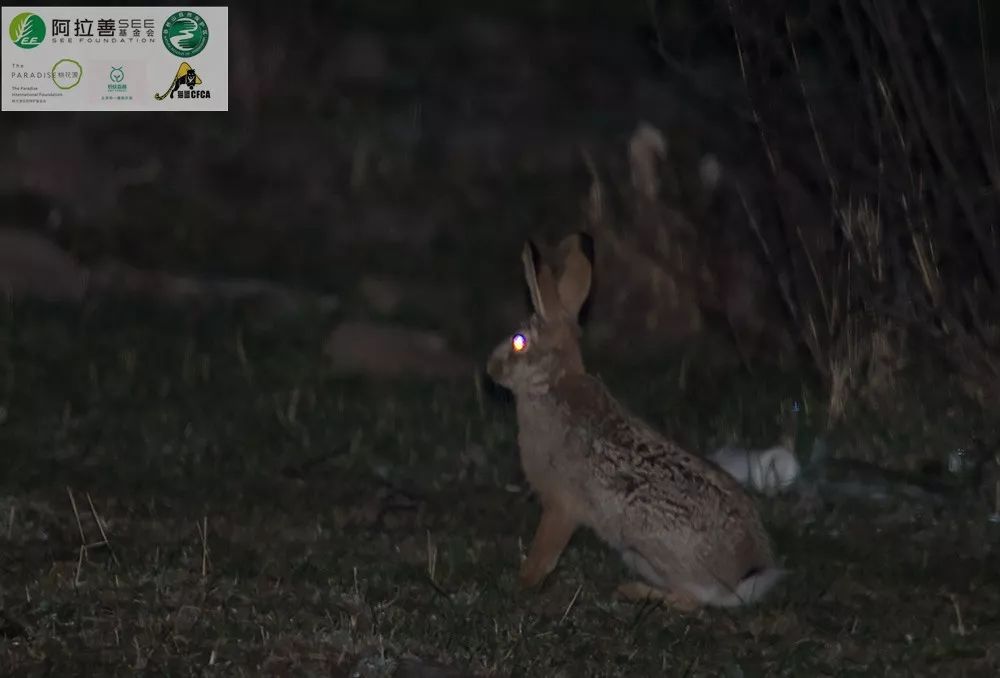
519	342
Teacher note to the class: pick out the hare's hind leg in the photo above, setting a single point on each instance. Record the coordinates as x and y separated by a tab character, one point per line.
641	592
655	587
553	534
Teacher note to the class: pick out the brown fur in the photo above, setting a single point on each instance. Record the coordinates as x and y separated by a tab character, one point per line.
683	524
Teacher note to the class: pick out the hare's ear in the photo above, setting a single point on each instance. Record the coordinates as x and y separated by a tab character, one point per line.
528	259
574	282
541	284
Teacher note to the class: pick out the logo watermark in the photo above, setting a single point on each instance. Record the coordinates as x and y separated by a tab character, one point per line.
185	77
117	87
27	30
66	73
185	34
114	58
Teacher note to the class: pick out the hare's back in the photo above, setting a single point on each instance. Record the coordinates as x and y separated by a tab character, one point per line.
636	458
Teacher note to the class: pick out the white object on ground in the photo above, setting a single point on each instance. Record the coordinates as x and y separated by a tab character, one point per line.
769	471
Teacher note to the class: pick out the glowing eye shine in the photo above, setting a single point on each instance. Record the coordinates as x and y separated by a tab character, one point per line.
519	342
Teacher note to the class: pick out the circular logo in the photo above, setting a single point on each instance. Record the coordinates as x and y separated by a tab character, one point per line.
185	34
117	74
66	73
27	30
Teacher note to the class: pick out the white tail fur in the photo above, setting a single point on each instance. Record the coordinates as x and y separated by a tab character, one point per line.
747	592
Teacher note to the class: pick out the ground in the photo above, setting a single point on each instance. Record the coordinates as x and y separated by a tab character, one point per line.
259	515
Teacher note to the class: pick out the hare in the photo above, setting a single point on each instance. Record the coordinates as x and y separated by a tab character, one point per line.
684	525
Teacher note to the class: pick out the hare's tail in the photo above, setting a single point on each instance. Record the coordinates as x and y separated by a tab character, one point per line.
749	591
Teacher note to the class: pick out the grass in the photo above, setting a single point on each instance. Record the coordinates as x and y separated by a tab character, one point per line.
263	517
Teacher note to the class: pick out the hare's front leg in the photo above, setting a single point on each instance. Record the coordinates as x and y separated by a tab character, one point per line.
553	534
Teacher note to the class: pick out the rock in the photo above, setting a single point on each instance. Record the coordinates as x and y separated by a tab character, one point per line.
769	471
382	294
32	266
384	350
164	287
432	300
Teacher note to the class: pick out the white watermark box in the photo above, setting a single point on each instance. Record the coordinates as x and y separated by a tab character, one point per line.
115	59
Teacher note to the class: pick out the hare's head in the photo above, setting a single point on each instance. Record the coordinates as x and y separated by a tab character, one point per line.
547	346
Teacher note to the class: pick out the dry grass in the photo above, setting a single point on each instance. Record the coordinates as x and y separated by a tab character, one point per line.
910	248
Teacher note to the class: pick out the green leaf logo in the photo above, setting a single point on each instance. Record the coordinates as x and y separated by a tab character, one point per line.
27	30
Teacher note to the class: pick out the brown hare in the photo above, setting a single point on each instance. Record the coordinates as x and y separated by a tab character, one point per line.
685	526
